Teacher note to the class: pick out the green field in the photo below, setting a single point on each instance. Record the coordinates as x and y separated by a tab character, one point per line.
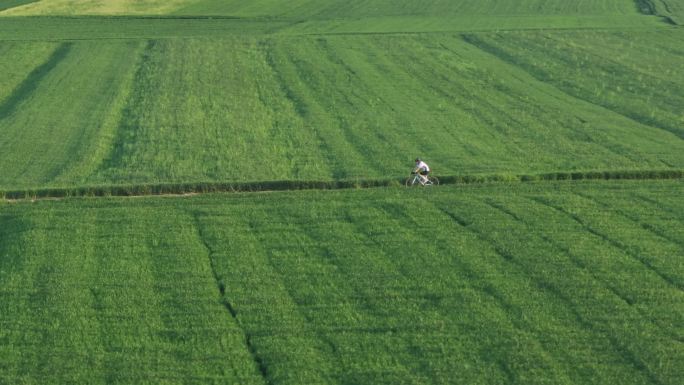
337	9
604	69
524	284
530	264
338	107
326	9
673	10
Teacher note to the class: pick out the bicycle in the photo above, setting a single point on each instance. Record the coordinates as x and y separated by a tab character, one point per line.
416	180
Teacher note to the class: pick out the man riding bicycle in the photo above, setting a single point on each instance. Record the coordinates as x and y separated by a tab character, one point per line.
422	169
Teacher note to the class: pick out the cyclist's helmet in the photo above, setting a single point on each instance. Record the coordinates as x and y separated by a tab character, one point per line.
417	160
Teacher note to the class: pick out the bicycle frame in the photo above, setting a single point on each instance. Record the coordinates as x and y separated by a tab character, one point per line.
416	180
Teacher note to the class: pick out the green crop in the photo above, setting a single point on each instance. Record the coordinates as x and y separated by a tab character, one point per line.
318	108
67	108
551	253
20	61
621	75
325	9
336	9
112	306
672	10
337	16
575	282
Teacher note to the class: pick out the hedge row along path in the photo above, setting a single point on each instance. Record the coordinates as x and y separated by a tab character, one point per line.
191	189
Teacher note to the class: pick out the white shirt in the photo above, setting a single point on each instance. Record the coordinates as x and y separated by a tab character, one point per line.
423	166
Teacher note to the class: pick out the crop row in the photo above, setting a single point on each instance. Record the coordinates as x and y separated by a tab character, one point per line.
126	298
57	116
613	70
526	283
305	108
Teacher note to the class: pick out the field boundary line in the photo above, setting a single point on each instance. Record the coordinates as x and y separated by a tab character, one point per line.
191	189
265	26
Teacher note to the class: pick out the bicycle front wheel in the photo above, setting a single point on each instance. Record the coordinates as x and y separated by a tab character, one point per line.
410	181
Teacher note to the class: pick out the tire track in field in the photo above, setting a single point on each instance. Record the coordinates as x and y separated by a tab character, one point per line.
573	258
616	244
307	111
576	261
29	85
273	290
260	365
127	125
661	206
406	228
544	285
510	59
648	7
646	226
488	289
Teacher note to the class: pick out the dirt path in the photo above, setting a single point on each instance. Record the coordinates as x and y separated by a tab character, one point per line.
184	190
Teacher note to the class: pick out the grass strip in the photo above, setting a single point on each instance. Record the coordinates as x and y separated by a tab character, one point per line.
286	185
54	28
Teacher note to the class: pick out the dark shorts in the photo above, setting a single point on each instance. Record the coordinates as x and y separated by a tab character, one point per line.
423	172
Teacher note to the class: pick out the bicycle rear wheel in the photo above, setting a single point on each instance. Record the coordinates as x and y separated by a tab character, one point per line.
434	180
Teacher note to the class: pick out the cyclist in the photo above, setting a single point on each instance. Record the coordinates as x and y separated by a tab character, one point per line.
422	169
